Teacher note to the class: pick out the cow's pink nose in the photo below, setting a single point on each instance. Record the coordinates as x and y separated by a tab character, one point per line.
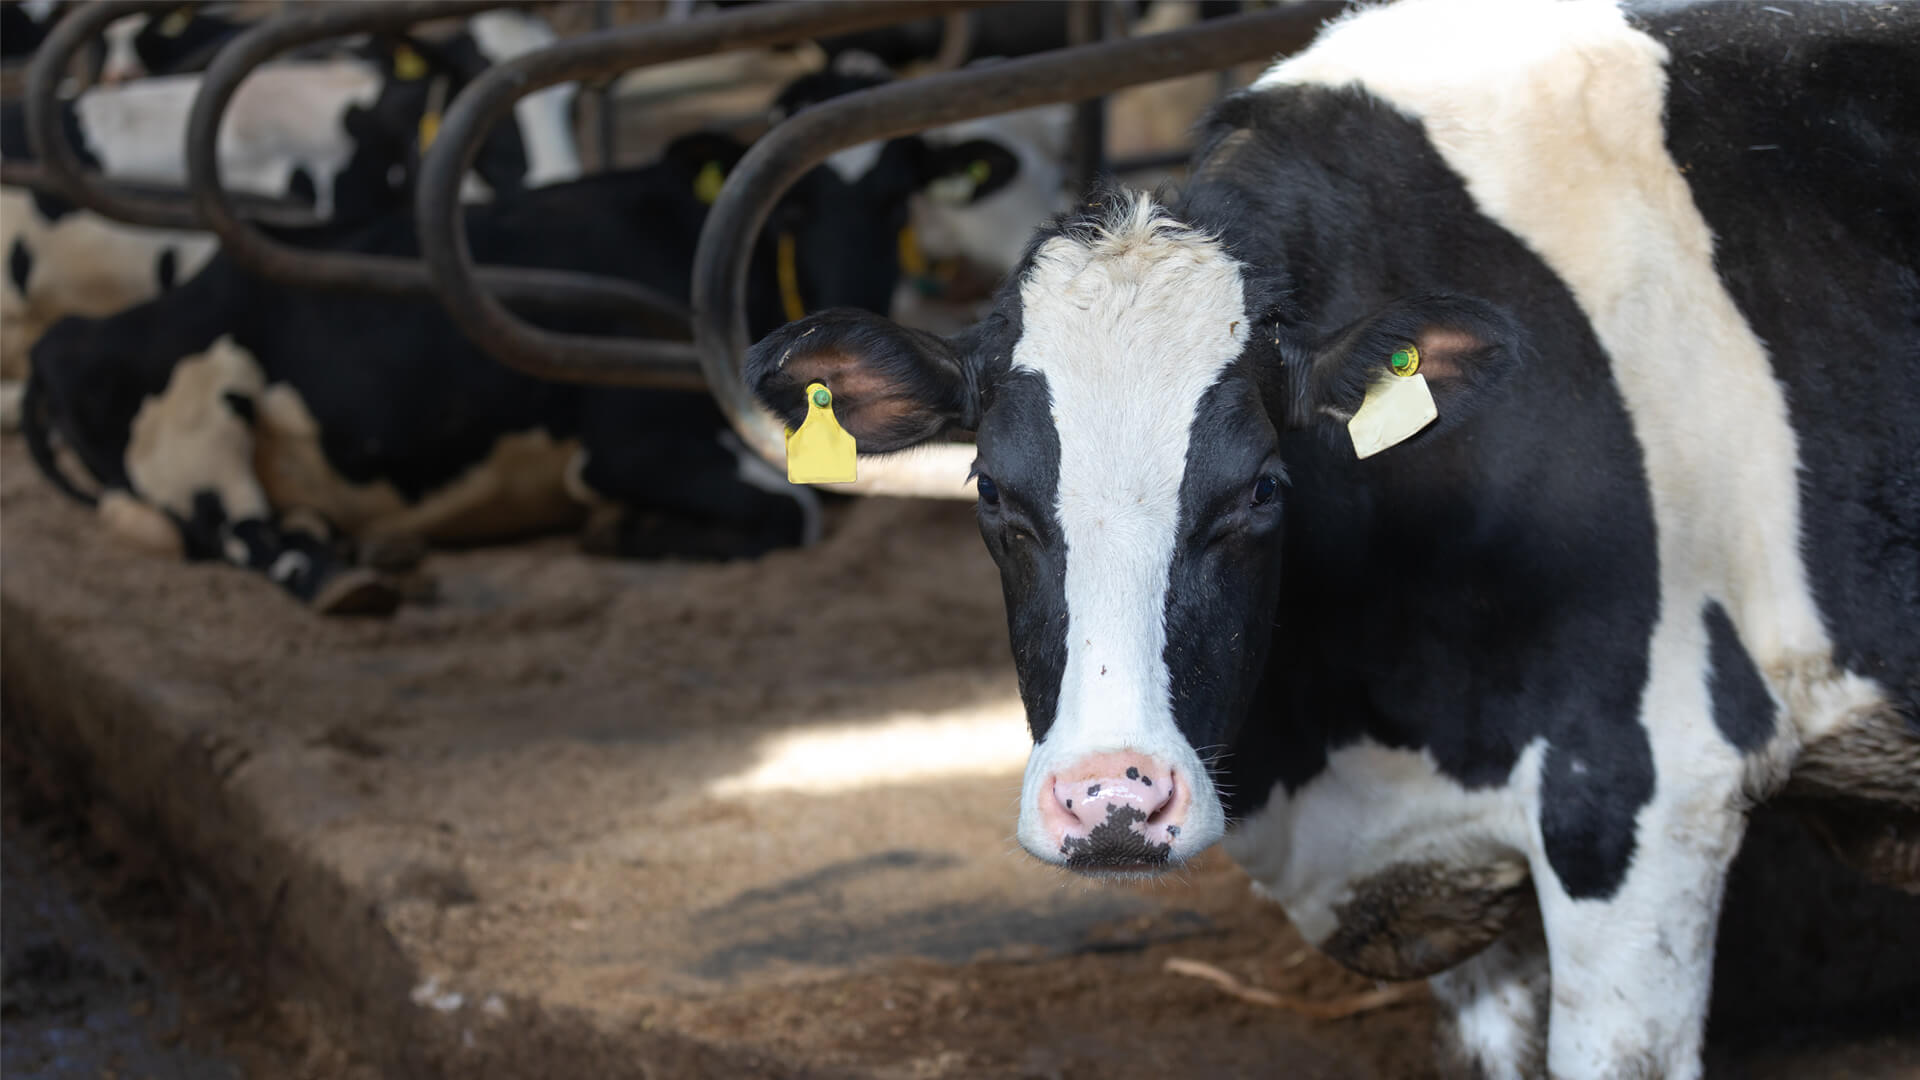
1115	811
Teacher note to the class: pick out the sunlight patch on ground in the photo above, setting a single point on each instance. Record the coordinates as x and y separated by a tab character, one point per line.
979	740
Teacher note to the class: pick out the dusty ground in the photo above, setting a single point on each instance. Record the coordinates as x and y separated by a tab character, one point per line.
580	817
641	807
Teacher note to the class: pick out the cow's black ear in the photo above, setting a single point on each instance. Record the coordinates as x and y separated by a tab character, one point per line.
968	172
893	387
1464	347
699	149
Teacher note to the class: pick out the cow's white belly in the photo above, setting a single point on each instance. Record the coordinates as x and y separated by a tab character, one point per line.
1388	865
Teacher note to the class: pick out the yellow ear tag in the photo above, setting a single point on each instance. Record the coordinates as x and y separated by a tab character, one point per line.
407	64
429	127
821	452
175	23
707	185
1396	407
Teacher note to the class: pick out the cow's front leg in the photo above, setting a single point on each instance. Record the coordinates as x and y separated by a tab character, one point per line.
1493	1008
1633	968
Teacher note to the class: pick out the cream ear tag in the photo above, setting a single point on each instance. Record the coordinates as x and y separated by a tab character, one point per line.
821	452
1396	407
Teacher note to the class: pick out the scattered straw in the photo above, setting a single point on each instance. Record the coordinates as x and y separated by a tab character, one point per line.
1337	1009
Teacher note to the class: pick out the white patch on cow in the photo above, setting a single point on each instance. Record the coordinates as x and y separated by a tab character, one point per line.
1497	1002
287	565
756	472
994	231
1371	808
1551	114
545	116
83	264
285	117
1130	326
187	440
123	61
855	161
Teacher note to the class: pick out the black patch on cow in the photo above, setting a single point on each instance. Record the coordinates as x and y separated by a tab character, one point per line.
241	405
301	188
1114	843
1825	150
1020	450
15	147
167	269
1591	788
19	264
187	48
1743	710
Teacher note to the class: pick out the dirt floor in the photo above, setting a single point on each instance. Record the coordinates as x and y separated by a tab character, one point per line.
578	817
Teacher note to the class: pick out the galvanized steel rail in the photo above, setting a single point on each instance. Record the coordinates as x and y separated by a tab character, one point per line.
770	166
786	153
271	258
481	316
57	168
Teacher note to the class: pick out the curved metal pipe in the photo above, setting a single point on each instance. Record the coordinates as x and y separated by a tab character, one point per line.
574	357
785	154
270	258
61	170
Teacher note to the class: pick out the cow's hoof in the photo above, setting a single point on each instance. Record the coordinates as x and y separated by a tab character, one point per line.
394	554
358	591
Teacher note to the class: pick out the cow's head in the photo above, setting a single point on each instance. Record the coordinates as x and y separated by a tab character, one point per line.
1128	393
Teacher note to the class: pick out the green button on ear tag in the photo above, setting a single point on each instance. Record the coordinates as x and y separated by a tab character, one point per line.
1396	408
821	452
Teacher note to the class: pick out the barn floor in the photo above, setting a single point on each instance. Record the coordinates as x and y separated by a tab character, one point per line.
578	817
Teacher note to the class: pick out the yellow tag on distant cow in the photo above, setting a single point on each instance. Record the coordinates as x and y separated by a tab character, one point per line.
429	128
1395	410
708	182
821	452
407	64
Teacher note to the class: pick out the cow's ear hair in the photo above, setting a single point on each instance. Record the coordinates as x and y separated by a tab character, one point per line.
1466	350
967	172
893	387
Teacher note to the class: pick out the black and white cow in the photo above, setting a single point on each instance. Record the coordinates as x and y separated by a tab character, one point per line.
1656	561
344	133
233	402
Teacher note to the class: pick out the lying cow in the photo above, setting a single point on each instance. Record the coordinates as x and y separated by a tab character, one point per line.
233	401
342	133
1492	705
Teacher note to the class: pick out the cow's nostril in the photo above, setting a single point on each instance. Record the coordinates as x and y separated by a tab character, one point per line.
1165	809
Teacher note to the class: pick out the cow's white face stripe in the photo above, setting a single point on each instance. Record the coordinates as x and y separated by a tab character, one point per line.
1129	331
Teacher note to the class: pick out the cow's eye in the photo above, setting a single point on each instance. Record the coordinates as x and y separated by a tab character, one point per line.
989	492
1264	488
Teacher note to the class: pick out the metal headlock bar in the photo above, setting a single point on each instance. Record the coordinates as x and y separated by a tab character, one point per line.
770	166
785	154
622	361
57	168
273	259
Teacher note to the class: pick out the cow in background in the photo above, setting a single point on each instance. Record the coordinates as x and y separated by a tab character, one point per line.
344	134
237	407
